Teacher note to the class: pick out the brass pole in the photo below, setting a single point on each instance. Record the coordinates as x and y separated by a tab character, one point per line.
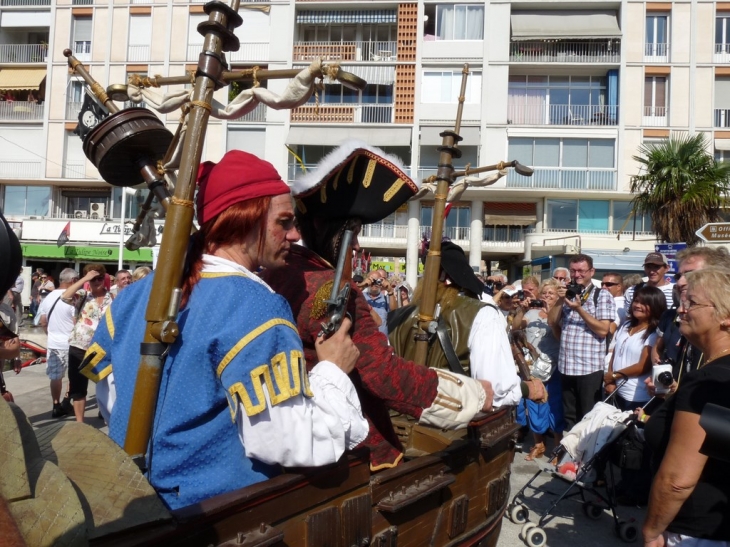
161	327
449	149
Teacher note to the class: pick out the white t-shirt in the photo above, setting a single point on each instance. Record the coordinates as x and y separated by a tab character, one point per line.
626	353
620	309
62	320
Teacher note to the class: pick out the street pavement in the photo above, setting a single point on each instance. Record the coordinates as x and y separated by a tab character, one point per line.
569	527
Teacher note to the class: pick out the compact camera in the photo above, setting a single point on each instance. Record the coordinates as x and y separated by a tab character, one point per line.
537	304
661	376
520	295
378	281
573	289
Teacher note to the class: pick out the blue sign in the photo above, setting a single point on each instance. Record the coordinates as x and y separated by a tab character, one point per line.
669	248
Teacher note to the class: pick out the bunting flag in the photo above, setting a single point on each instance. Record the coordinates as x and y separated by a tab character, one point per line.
65	235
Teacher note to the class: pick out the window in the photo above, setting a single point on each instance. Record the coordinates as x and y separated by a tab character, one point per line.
82	37
568	153
722	101
562	214
456	225
623	219
558	100
722	32
27	200
657	37
444	87
593	215
655	97
459	22
140	37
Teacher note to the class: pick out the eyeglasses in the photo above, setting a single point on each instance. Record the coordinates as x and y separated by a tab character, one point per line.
579	272
679	275
608	284
689	305
556	278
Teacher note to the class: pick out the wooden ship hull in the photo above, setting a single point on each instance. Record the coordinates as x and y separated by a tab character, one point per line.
454	495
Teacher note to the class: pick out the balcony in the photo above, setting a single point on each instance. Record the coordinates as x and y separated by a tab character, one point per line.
656	52
565	52
23	53
20	169
74	170
247	52
345	51
138	54
72	110
722	53
655	116
257	115
24	3
20	111
343	113
565	179
722	117
561	114
501	236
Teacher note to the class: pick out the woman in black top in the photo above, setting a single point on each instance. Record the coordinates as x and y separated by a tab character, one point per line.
690	495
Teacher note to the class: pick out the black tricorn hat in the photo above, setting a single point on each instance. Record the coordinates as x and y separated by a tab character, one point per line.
456	266
12	256
354	180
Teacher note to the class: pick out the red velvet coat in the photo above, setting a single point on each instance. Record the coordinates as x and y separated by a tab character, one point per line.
383	380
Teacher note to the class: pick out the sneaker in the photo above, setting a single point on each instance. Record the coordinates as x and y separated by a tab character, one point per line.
58	411
67	407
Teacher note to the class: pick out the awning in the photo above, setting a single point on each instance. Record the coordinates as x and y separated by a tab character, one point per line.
373	74
340	16
12	79
564	24
334	136
722	144
509	214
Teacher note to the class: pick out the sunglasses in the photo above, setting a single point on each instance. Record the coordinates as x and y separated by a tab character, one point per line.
608	284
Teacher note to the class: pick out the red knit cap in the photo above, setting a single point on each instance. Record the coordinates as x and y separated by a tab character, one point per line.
239	176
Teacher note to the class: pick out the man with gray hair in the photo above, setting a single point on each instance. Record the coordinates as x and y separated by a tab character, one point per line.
121	279
561	275
57	318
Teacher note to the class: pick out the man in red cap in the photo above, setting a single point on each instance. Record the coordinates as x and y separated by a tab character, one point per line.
236	402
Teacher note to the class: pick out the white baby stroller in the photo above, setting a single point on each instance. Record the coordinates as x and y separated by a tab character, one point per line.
582	453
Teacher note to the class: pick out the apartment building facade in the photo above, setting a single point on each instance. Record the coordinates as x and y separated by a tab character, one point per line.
570	89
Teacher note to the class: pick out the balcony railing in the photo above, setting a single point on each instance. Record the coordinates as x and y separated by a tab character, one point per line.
385	231
561	114
722	53
343	113
345	51
258	114
565	52
23	53
565	179
20	111
248	51
20	169
722	117
74	170
503	234
657	52
24	3
655	116
138	54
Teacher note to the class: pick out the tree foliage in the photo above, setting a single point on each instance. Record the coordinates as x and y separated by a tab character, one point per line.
681	186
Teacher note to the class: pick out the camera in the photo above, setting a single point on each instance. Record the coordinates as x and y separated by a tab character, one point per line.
520	295
573	289
537	304
661	376
378	281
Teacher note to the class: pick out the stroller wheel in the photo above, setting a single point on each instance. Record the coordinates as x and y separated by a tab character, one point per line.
536	537
525	532
628	532
519	514
592	511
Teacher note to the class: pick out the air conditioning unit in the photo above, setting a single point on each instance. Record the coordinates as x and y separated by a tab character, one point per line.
80	213
96	211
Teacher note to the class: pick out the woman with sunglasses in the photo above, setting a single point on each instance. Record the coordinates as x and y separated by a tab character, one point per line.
90	306
690	495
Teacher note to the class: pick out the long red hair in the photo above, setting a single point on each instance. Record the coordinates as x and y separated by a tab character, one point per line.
231	227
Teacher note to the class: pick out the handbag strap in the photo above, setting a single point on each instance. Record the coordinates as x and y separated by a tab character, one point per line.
48	318
448	347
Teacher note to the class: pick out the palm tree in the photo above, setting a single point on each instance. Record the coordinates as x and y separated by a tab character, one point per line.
681	186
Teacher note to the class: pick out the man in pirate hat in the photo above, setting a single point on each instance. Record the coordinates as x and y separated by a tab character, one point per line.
472	335
355	185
